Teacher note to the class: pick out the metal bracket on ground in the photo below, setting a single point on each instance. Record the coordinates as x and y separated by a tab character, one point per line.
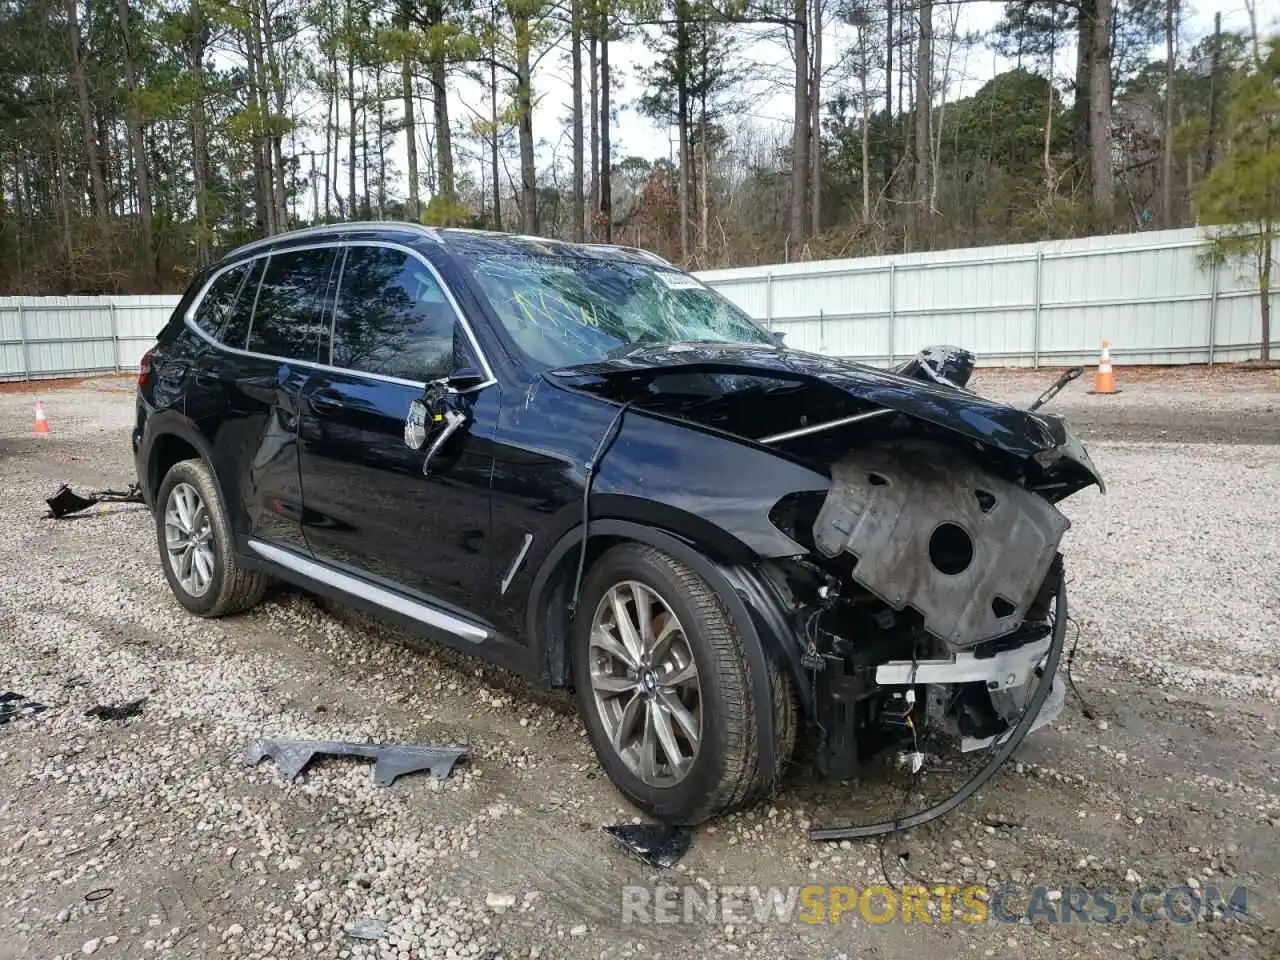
390	760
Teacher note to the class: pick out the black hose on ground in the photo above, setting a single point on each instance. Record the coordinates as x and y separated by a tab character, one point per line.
974	783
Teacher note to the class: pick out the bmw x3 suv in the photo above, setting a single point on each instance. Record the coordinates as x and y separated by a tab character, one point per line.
586	466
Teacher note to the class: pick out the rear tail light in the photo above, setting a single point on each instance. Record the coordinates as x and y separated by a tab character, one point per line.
144	367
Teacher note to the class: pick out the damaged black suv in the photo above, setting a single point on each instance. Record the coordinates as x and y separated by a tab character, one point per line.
582	464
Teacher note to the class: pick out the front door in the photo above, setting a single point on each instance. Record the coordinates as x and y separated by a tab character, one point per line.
370	506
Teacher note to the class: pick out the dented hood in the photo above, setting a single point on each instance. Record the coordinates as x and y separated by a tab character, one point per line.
1044	438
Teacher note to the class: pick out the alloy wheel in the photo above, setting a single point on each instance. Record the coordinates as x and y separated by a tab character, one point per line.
645	683
188	537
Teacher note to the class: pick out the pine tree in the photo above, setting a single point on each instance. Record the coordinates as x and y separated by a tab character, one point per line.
1242	193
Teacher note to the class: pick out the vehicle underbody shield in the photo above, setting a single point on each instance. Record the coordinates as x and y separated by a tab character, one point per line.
934	531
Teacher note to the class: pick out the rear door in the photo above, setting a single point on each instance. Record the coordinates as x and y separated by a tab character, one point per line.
249	385
369	505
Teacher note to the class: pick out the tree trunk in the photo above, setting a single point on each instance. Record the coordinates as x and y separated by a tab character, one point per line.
1264	287
923	141
815	115
1100	112
351	115
332	120
906	94
97	176
866	124
280	186
139	148
888	92
64	200
1048	110
1214	84
593	73
1081	139
493	139
800	120
411	137
444	136
575	57
1166	172
524	107
196	41
382	143
704	177
606	159
682	122
264	203
366	205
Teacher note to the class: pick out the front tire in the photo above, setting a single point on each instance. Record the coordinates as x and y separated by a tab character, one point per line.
664	689
196	546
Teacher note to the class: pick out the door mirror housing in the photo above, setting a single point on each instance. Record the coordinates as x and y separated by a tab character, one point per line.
465	378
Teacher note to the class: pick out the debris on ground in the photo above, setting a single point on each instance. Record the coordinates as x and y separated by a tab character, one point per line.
390	760
656	844
15	705
122	711
367	928
66	501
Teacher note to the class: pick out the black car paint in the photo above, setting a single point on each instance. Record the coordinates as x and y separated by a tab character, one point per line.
340	485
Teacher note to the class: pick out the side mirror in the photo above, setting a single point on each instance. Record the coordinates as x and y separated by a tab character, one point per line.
465	378
778	337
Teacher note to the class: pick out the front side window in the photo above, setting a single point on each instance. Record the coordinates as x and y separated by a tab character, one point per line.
288	314
391	317
216	305
565	310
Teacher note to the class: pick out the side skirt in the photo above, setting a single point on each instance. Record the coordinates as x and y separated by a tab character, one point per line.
414	614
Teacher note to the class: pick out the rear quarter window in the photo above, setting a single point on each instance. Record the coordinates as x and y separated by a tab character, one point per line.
235	331
215	307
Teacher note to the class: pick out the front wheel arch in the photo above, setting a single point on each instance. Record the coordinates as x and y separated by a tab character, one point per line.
553	586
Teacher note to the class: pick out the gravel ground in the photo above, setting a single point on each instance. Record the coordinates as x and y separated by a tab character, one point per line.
148	837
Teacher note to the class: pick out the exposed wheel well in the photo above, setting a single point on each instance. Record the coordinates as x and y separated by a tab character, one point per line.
166	450
553	618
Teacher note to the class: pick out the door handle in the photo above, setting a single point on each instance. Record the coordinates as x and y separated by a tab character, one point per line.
325	402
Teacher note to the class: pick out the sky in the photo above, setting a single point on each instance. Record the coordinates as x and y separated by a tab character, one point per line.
768	92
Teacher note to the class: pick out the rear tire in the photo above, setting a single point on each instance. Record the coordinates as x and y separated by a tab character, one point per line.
197	550
723	773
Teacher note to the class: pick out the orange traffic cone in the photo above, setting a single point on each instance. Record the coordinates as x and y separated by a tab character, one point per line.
41	428
1104	381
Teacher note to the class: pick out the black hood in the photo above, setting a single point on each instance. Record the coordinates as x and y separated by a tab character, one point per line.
835	388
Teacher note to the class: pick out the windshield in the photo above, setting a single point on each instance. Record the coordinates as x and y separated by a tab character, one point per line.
566	310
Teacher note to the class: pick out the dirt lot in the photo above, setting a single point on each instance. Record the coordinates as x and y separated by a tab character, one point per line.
149	838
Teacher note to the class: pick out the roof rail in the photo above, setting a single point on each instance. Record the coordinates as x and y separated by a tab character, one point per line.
327	229
647	254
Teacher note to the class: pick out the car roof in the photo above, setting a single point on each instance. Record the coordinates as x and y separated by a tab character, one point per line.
457	240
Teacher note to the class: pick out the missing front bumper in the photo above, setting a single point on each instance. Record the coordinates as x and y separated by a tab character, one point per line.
1009	677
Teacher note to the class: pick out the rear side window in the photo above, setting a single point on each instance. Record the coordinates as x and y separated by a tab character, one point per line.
236	329
287	316
212	313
